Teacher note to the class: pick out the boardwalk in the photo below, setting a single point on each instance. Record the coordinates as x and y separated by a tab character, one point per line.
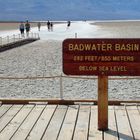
17	38
62	122
11	42
18	43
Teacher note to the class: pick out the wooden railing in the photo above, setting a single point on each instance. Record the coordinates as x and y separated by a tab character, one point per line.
61	82
17	37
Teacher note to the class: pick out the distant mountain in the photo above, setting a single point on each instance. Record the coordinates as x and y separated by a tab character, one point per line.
69	9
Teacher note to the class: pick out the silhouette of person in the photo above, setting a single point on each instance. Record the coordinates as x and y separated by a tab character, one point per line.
68	25
48	25
39	26
27	27
21	28
51	25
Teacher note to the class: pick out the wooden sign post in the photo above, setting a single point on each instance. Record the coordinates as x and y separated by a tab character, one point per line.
103	102
102	57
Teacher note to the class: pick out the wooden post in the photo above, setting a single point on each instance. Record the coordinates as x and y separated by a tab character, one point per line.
14	37
102	102
32	35
61	88
75	35
7	39
19	36
0	40
38	36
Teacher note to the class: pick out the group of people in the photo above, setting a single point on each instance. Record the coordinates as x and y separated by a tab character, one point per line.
23	27
50	26
27	27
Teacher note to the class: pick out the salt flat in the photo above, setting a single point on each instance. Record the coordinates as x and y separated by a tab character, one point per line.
43	58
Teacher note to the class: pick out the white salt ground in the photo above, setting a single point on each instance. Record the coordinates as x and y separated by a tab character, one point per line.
44	58
60	31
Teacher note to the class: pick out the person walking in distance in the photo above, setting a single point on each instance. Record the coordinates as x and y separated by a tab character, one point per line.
51	25
21	28
48	25
27	27
39	26
68	24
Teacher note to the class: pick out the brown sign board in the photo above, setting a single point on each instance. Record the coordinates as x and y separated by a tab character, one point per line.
109	57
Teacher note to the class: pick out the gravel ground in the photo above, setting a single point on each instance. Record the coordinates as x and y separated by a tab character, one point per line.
43	58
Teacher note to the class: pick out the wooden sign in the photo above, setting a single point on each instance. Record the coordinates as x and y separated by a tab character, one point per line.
102	57
109	57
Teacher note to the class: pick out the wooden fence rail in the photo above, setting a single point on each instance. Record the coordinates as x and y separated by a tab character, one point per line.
61	77
16	37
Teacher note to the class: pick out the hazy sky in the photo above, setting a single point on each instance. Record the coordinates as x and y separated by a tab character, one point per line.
69	9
